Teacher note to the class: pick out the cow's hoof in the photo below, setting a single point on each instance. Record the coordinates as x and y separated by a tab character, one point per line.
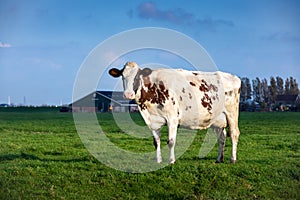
172	161
232	161
159	160
219	161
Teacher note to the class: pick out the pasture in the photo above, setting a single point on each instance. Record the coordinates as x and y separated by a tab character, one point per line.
42	157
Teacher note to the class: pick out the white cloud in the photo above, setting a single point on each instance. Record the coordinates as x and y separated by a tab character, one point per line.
4	45
45	63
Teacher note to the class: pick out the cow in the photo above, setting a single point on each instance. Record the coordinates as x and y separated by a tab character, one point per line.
190	99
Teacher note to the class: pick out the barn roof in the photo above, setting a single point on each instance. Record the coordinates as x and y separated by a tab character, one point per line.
104	96
288	98
115	96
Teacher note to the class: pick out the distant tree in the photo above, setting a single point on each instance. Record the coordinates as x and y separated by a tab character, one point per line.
287	86
273	89
249	89
246	89
265	94
293	86
243	91
257	90
265	91
279	82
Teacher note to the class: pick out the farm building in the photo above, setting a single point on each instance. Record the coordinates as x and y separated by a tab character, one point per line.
104	101
288	101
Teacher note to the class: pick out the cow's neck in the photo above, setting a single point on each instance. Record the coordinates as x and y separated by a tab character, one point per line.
136	82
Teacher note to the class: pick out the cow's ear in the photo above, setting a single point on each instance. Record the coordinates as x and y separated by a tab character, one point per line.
146	71
115	72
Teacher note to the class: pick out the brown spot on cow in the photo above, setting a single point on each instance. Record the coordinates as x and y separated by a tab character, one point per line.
229	93
206	102
161	86
204	87
155	95
196	74
206	120
188	107
180	98
183	90
190	96
192	84
239	91
172	99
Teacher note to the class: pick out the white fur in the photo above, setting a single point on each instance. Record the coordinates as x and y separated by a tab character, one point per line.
184	105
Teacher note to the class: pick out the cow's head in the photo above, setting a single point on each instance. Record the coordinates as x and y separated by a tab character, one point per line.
130	75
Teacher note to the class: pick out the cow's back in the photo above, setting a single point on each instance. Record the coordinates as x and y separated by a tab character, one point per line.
196	98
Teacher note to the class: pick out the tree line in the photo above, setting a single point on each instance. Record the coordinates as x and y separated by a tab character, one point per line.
264	92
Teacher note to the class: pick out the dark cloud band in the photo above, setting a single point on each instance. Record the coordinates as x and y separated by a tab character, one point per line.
149	10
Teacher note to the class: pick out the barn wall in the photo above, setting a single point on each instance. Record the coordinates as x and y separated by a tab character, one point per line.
84	109
95	102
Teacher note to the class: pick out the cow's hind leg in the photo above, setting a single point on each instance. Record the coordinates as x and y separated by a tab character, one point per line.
156	142
232	114
221	133
234	133
172	141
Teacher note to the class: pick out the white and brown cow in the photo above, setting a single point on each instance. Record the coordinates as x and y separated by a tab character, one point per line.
191	99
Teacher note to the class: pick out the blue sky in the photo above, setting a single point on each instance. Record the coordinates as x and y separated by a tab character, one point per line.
44	42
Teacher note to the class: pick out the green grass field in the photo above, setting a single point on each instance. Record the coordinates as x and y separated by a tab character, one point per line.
42	157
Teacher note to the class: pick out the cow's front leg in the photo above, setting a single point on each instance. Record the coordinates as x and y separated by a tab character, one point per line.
156	142
172	141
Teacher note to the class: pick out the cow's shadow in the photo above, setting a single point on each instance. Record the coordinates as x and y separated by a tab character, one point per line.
26	156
